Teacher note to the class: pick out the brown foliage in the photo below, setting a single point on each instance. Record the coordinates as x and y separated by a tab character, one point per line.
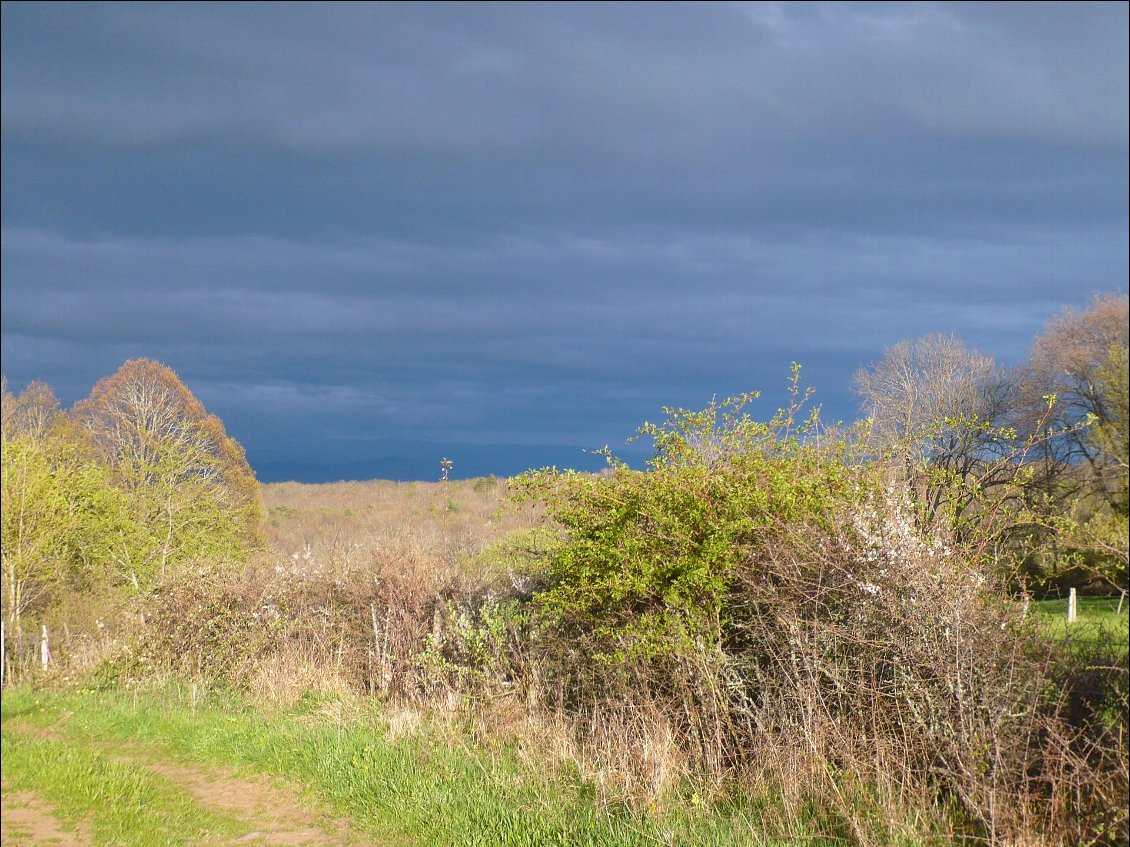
1080	358
362	577
146	424
888	656
361	627
1066	358
33	413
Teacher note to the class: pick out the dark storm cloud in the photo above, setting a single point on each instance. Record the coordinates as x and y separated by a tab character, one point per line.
420	225
481	79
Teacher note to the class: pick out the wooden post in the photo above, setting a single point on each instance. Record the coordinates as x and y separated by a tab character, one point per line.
1072	607
376	628
376	682
45	649
3	652
1121	599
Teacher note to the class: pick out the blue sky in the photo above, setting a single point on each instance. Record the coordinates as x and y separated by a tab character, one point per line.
368	236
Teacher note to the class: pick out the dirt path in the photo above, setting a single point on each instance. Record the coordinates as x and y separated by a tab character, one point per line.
275	814
27	820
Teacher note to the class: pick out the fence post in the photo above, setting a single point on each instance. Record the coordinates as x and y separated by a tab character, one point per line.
1072	607
1121	598
45	649
3	652
377	658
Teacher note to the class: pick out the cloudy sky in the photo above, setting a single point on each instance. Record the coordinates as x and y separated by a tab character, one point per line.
368	236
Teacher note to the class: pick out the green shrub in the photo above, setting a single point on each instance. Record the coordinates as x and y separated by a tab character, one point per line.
649	558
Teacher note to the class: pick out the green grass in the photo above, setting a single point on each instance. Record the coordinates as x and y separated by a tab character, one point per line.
117	803
416	789
1097	619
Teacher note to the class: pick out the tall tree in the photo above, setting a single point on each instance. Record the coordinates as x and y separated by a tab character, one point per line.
189	481
1081	359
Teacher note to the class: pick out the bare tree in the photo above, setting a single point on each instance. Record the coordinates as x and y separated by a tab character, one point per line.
33	413
918	384
942	410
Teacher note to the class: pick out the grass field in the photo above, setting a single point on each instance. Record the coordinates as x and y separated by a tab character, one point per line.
1097	618
155	769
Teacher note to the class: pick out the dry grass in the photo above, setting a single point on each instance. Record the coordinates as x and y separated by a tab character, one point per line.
282	678
346	523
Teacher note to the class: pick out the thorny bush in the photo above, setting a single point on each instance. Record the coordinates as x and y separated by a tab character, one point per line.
782	602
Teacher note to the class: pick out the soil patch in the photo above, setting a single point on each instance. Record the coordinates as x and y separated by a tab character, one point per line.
27	819
274	813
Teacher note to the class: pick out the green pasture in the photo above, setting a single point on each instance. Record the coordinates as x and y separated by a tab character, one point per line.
1097	618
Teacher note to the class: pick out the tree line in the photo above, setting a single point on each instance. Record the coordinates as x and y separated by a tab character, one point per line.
133	481
840	601
139	478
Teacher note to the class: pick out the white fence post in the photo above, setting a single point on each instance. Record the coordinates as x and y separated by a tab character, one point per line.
1072	607
45	649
